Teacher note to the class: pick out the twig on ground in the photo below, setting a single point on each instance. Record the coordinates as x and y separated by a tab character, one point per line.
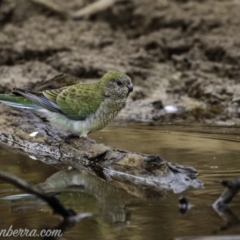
53	7
94	8
85	12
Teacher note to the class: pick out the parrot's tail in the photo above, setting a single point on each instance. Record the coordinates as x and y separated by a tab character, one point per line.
18	101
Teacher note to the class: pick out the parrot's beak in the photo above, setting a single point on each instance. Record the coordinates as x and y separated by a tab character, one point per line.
130	87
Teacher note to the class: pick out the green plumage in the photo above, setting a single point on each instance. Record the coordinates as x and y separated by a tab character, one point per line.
77	102
80	108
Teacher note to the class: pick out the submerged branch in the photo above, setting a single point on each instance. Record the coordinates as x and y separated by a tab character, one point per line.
226	197
52	201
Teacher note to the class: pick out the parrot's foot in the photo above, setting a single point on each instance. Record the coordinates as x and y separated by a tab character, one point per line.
88	139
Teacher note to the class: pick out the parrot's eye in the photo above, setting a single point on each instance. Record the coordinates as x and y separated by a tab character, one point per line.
119	82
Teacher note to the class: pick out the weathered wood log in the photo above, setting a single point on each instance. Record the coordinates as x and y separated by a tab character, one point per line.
50	146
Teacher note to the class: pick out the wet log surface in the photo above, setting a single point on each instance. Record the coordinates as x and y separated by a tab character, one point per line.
54	147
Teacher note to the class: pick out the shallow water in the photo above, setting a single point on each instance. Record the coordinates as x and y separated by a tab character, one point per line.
213	151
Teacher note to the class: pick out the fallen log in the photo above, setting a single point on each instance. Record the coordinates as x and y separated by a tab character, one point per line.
27	133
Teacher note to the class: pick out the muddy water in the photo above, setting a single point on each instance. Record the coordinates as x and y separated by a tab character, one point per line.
213	151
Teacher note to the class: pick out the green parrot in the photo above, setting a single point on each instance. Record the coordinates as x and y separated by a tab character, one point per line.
77	109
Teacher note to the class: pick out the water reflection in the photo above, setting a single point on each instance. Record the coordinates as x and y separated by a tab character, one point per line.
85	188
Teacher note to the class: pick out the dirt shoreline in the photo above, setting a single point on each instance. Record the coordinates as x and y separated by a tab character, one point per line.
182	55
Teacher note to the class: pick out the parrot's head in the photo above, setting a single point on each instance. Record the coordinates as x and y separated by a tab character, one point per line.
116	85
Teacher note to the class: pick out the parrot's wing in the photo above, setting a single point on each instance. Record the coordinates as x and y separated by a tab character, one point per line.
77	102
38	98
